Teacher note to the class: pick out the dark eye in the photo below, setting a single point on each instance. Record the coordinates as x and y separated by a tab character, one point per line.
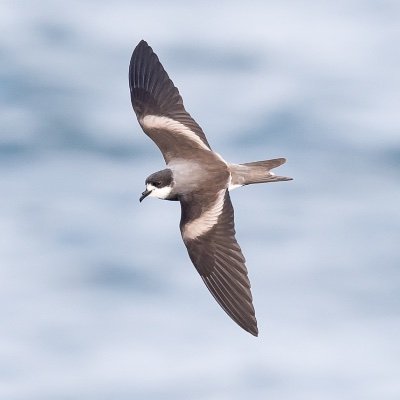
157	184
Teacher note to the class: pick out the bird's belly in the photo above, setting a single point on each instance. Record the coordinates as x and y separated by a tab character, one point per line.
190	176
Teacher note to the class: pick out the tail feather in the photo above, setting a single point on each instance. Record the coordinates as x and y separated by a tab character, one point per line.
267	164
256	172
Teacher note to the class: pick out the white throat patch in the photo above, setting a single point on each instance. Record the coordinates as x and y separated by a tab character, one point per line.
160	193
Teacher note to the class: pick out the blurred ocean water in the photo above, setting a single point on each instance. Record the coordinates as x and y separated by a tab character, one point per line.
98	298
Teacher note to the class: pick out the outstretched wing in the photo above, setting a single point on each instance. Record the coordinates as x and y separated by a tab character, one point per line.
159	106
209	235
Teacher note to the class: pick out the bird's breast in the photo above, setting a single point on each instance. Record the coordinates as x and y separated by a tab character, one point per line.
199	174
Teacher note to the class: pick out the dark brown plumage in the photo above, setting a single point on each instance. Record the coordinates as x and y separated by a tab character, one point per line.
200	180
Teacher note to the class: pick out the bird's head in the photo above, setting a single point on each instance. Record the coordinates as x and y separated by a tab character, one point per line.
159	185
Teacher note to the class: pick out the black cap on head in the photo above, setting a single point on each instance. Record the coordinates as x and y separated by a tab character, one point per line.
160	178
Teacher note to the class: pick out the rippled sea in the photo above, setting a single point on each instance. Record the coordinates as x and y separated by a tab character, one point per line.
98	298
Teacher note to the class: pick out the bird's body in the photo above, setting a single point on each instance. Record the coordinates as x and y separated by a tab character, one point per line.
199	179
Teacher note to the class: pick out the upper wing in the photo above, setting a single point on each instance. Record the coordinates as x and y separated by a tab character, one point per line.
159	106
209	235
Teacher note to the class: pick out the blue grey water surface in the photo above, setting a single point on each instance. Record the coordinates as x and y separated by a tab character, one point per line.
98	298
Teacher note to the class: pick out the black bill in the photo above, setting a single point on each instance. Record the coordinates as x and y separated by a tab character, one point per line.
144	195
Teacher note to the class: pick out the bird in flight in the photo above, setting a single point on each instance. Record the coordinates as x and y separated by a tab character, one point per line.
200	179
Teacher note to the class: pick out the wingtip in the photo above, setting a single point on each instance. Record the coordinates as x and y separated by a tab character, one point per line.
141	46
253	330
254	333
142	43
250	326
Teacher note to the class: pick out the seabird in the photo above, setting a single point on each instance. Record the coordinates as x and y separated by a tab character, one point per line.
200	179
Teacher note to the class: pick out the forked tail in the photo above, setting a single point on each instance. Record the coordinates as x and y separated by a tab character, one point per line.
256	172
